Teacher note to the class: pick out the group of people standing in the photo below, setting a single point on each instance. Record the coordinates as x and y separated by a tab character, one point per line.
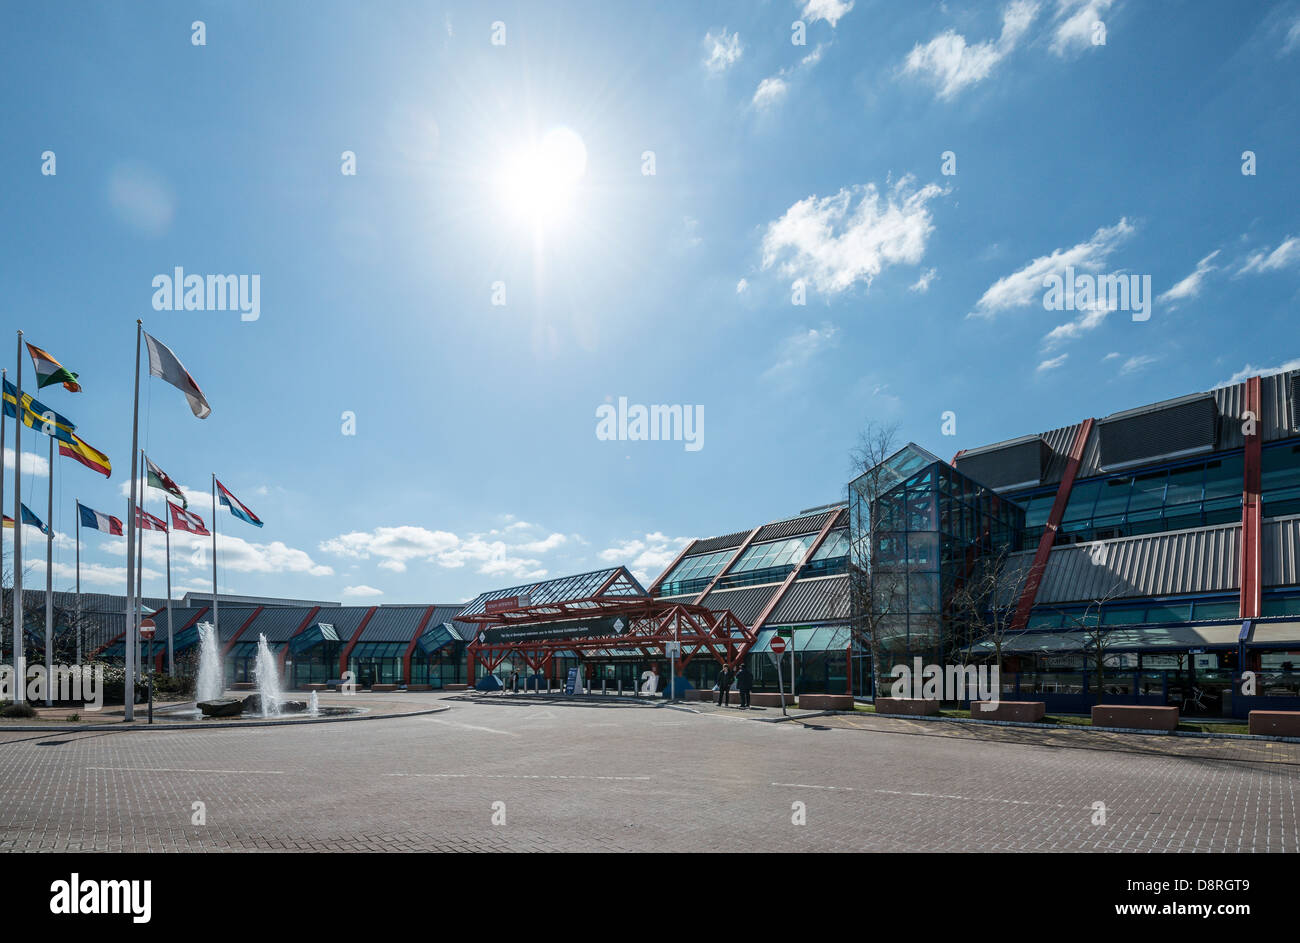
744	684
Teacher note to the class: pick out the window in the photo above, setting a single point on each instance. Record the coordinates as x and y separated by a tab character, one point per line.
1280	480
1220	609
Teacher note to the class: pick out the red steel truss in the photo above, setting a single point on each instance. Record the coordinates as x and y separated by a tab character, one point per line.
652	624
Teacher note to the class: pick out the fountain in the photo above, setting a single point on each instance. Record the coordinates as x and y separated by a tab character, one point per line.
266	672
313	705
210	684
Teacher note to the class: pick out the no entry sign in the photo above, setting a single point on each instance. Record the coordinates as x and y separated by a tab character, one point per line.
778	644
147	628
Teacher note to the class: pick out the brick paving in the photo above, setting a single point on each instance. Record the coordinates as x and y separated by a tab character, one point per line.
634	777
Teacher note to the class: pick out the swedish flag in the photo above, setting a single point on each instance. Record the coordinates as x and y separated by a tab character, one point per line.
38	416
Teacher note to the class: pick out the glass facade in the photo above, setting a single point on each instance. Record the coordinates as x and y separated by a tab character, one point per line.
1280	479
693	574
377	662
917	528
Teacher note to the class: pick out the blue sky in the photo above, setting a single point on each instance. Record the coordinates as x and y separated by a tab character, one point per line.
475	461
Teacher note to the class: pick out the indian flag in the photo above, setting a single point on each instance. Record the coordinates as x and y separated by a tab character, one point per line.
49	371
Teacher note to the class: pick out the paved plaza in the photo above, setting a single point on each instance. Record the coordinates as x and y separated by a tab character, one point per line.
493	773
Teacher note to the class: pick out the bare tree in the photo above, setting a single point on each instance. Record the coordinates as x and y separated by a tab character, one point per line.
986	602
876	586
1097	640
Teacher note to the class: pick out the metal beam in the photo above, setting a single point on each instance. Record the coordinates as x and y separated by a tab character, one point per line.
1251	529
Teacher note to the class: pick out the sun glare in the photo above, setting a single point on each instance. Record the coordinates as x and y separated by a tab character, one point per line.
539	184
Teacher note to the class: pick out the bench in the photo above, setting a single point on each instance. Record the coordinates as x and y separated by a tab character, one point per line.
1024	711
1275	723
909	706
1132	717
378	688
826	702
315	686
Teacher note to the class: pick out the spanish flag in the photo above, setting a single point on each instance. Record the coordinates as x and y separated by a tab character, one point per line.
88	455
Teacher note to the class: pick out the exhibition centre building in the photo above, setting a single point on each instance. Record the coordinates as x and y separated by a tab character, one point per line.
1162	541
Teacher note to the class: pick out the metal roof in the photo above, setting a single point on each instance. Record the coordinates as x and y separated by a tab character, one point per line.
1122	640
278	623
393	624
229	621
795	526
345	619
564	588
821	599
709	544
1275	633
746	604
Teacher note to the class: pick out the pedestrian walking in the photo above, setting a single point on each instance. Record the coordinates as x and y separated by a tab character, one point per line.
744	684
514	682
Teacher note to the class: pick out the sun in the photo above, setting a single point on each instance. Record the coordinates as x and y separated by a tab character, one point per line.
539	184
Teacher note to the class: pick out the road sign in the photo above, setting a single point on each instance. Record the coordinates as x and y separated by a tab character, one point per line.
147	629
787	632
778	644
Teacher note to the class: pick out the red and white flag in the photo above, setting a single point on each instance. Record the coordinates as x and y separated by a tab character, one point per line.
187	521
146	521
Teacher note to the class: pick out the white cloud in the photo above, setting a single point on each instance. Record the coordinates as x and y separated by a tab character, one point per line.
236	554
1075	22
648	555
1249	371
834	244
141	198
1292	41
395	547
799	349
829	10
724	49
1071	330
1113	355
1052	364
1025	287
33	464
1134	364
922	284
770	91
351	592
951	64
742	286
1284	256
1190	286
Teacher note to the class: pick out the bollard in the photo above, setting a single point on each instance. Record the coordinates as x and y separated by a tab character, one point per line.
620	687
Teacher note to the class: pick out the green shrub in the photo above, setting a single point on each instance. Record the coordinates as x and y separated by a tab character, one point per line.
17	710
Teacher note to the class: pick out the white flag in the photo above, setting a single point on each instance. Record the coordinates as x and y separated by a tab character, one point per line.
166	365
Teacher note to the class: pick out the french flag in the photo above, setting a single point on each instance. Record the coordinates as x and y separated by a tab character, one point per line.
236	507
97	521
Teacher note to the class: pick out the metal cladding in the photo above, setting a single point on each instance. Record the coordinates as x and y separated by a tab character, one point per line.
1280	541
230	619
746	604
709	544
393	624
814	600
276	623
1020	463
794	527
1185	427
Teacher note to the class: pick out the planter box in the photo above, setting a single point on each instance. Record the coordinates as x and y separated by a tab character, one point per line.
767	699
419	687
243	686
315	687
911	706
1135	718
1275	723
829	702
699	694
1025	711
376	688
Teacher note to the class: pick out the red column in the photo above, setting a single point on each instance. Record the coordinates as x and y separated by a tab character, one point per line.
1251	537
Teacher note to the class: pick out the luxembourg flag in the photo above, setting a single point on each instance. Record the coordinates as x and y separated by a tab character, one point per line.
236	507
97	521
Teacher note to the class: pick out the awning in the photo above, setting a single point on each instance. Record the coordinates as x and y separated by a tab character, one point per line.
438	637
1275	635
313	636
1156	638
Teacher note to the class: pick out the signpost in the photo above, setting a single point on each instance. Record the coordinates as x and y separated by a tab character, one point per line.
778	647
147	629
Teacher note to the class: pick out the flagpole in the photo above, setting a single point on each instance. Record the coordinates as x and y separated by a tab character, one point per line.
4	377
20	670
78	596
171	664
139	571
215	628
132	615
49	581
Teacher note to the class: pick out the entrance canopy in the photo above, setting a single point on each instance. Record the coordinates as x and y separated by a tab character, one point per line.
597	627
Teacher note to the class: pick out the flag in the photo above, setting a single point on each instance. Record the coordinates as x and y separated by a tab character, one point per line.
37	416
162	481
88	455
166	365
187	521
32	519
49	371
9	522
146	521
97	521
236	508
